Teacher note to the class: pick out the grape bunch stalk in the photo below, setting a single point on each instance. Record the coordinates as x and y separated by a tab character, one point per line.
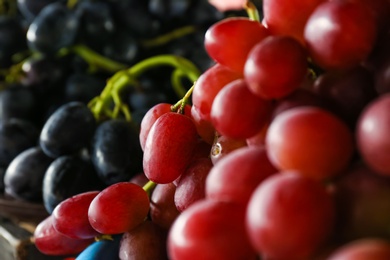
277	149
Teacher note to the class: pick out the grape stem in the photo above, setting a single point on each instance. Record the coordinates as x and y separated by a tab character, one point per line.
101	105
180	105
170	36
149	187
252	11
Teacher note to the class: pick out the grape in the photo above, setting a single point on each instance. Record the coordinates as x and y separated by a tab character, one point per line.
310	140
116	153
53	28
300	97
286	17
67	130
236	176
12	39
169	147
24	176
16	135
122	47
118	208
205	128
169	9
148	120
274	56
66	176
70	217
368	248
237	112
97	25
272	210
50	242
210	229
347	92
340	34
223	146
83	87
371	134
191	185
146	241
230	40
207	87
17	101
163	210
363	208
30	8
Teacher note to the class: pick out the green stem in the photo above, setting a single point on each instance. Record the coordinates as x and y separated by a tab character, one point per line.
166	38
252	11
95	60
149	186
183	68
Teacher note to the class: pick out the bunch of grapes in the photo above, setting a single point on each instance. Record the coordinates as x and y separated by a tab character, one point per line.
277	150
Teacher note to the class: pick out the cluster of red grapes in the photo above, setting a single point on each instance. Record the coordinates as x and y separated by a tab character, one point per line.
281	154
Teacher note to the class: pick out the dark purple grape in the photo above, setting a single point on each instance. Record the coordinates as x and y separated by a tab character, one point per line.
116	152
97	25
16	135
17	101
31	8
122	47
144	100
169	9
12	39
44	74
67	176
24	176
53	28
83	87
68	130
134	16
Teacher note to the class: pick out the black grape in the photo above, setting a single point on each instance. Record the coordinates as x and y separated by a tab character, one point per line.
16	135
97	26
122	47
169	9
24	176
19	102
30	8
68	130
116	152
53	28
12	39
67	176
83	87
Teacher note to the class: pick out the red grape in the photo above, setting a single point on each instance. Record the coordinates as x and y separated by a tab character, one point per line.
310	140
191	185
50	242
237	112
163	210
210	230
149	118
289	216
207	87
288	17
340	34
363	249
236	176
70	217
118	208
169	147
276	67
223	146
372	132
229	41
